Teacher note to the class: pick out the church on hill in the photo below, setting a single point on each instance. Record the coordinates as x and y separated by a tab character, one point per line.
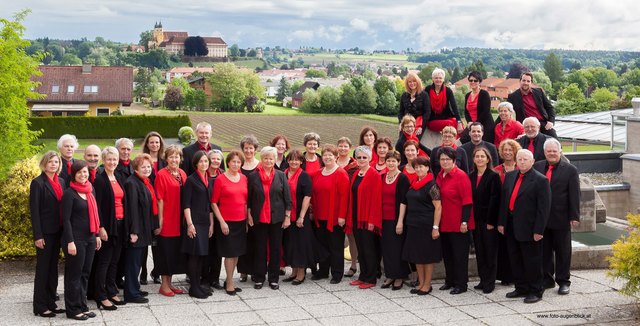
173	42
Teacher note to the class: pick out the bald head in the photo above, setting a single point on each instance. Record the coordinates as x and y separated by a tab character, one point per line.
92	156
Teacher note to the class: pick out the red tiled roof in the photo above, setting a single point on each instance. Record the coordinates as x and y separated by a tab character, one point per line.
180	37
168	35
115	84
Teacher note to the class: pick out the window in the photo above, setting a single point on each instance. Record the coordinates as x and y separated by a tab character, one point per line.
55	89
90	89
75	114
71	89
102	112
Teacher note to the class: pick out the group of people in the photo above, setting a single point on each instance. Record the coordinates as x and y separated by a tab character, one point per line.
402	208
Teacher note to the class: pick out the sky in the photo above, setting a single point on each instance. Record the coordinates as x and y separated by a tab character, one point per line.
339	24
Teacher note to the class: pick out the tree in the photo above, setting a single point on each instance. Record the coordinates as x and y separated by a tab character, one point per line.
329	99
425	73
296	85
173	97
234	51
195	46
348	98
252	53
284	89
553	68
155	58
310	101
231	87
315	73
16	69
145	37
456	74
195	99
543	81
84	49
602	77
181	83
56	51
516	70
70	59
386	96
631	77
603	96
571	93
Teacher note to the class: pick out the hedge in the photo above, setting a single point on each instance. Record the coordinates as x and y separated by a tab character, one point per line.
132	126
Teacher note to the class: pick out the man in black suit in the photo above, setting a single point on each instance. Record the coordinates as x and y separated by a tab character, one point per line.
565	213
525	207
92	157
476	132
532	102
203	134
533	139
67	146
125	147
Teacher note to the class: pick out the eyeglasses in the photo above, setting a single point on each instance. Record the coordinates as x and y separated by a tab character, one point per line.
445	159
473	80
362	157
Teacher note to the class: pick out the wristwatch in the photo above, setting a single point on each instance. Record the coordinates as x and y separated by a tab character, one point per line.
464	223
435	227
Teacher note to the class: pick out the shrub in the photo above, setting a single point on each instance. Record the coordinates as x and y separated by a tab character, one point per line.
132	126
186	135
625	262
16	238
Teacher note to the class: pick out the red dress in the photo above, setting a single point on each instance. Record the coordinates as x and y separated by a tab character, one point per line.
231	198
168	191
312	167
330	197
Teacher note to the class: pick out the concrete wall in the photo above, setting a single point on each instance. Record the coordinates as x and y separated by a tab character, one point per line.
631	175
616	199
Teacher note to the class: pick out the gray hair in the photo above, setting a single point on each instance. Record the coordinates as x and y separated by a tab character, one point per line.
532	119
202	125
269	150
525	152
438	71
249	140
508	105
110	150
552	141
68	137
309	137
120	141
363	149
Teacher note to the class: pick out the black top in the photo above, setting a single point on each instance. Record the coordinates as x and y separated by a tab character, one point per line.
197	198
486	197
354	197
483	114
187	155
402	186
420	208
421	106
123	172
279	196
247	172
106	202
542	102
44	206
470	147
565	194
75	218
303	189
64	172
284	165
139	218
538	145
161	164
461	160
451	108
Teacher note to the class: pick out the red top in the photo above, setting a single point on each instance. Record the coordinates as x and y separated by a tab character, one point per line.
389	200
118	195
412	176
455	191
369	208
312	167
231	198
472	107
501	171
330	197
155	167
530	106
168	191
512	129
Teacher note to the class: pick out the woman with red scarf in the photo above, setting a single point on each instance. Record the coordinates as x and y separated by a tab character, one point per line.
299	247
449	140
140	211
45	194
269	210
382	146
408	131
415	103
199	223
364	217
411	149
419	220
477	107
444	111
329	199
80	226
457	220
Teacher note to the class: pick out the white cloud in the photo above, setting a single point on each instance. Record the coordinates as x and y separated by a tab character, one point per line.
359	24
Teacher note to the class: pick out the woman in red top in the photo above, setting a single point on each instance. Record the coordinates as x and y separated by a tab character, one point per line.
508	128
411	153
312	160
477	107
364	217
169	260
330	197
444	111
382	146
229	203
507	150
349	164
415	103
368	137
457	220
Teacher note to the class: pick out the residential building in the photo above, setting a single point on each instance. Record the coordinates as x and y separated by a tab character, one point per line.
296	99
185	72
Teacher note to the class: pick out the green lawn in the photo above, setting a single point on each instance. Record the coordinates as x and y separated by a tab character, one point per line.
567	148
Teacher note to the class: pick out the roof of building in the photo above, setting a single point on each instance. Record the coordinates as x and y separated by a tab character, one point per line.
180	37
594	127
114	84
189	70
307	84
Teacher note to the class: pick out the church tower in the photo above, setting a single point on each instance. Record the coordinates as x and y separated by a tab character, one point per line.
158	34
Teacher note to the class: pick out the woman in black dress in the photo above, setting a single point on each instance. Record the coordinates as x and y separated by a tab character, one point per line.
422	208
196	196
80	225
45	194
249	145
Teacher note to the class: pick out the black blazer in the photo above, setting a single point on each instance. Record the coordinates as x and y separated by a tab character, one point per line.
532	205
461	160
421	106
484	114
486	197
470	147
565	194
187	157
138	213
64	171
44	206
538	145
106	202
284	165
452	111
197	198
123	172
279	196
542	102
75	218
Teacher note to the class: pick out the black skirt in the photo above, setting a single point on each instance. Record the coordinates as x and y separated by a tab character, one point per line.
167	256
235	243
394	266
419	247
199	245
299	248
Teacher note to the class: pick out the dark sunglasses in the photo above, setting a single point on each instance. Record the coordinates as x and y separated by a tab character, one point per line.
473	80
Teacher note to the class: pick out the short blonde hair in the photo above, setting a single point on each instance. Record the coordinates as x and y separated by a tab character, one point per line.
110	150
173	149
406	120
449	130
47	157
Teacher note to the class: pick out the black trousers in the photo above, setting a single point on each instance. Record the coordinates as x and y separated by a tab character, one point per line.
76	276
46	279
486	244
526	263
194	270
106	264
132	265
213	262
455	253
368	254
556	256
332	242
551	132
271	234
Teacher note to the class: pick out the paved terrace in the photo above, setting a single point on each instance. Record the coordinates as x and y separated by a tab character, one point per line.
593	300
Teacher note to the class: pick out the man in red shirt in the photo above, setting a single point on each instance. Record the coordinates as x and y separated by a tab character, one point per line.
532	102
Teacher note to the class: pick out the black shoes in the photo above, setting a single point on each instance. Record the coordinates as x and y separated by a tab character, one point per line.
117	302
243	278
102	306
274	286
420	292
144	293
198	294
387	285
258	285
352	271
49	314
549	285
217	286
297	281
143	281
79	317
516	294
138	300
396	288
564	289
414	291
317	277
231	292
90	314
532	298
488	288
479	286
59	311
457	290
446	287
335	280
156	279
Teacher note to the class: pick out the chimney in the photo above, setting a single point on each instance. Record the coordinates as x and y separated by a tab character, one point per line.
86	69
635	103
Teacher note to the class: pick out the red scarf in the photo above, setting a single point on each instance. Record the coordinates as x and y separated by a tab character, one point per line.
57	188
94	220
204	178
267	179
125	163
293	186
154	200
416	185
369	208
438	101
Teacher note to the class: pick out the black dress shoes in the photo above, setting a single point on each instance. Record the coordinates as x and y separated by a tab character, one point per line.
258	285
143	281
317	277
420	292
217	286
532	298
79	317
488	288
335	280
457	290
144	293
297	281
445	287
479	286
138	300
274	286
156	279
59	311
90	314
516	294
549	285
49	314
564	289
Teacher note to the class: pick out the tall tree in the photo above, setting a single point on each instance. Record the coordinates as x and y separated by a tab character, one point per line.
195	46
553	68
16	70
284	89
234	51
173	97
145	37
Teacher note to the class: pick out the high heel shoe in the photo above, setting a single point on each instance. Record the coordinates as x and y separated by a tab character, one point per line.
49	314
117	302
79	317
103	306
387	285
297	281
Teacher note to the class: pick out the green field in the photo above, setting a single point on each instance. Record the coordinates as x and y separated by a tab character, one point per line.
319	58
